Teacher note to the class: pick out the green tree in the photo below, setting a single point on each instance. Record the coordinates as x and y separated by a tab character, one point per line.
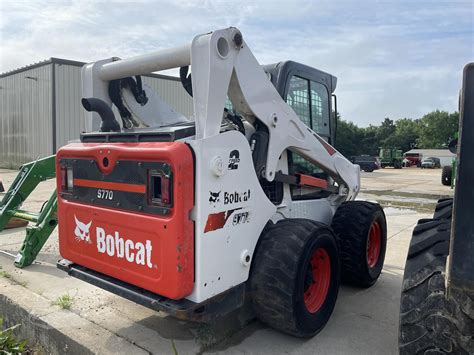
433	130
386	129
348	138
371	140
437	128
406	135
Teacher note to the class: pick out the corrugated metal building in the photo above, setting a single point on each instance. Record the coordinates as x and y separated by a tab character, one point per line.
40	108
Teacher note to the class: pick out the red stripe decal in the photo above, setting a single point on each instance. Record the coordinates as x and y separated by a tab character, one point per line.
307	180
330	149
141	189
217	220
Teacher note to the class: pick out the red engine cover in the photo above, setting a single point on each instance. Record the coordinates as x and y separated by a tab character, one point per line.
109	223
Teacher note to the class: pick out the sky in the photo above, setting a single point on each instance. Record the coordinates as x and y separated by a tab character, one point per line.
392	59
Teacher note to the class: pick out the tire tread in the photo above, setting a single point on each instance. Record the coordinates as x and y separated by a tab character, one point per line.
429	321
274	272
352	248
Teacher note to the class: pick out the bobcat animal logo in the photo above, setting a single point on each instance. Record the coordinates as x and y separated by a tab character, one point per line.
82	231
214	197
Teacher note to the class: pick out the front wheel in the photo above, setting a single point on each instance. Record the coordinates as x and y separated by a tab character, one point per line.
361	234
295	277
446	175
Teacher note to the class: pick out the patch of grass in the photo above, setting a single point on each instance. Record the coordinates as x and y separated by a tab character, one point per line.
9	276
8	342
23	283
5	275
64	301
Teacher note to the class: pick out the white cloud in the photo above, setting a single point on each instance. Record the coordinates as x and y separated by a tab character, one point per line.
392	58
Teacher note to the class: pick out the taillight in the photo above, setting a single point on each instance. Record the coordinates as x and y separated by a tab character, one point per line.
67	178
160	188
166	190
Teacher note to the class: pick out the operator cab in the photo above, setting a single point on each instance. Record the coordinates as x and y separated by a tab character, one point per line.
309	92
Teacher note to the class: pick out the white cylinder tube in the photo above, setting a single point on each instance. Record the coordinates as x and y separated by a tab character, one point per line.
147	63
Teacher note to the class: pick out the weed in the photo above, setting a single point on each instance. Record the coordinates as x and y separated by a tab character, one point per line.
9	276
23	283
64	301
173	346
8	343
5	275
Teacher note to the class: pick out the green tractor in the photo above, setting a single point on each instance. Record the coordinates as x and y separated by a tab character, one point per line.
448	174
391	157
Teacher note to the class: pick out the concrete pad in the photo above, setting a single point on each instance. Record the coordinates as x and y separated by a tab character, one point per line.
407	180
57	331
364	321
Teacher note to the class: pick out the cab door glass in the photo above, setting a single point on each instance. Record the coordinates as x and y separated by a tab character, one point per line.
310	101
319	109
298	98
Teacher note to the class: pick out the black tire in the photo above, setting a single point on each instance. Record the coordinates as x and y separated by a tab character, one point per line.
397	164
446	175
444	209
279	276
430	323
352	225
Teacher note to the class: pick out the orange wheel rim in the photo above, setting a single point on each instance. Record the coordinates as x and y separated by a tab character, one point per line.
317	280
374	244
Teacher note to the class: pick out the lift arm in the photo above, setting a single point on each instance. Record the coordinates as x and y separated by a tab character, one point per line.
223	64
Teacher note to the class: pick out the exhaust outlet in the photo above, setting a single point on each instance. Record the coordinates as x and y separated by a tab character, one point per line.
109	123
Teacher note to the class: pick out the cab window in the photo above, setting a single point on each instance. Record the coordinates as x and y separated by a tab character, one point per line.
310	101
319	109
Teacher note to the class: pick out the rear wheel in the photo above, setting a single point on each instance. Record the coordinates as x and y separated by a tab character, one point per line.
295	277
446	175
430	322
361	234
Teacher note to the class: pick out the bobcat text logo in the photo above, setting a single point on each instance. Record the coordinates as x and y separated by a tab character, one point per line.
236	197
214	197
115	245
82	231
234	160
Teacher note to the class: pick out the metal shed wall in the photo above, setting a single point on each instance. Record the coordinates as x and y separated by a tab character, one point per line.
25	116
70	114
37	117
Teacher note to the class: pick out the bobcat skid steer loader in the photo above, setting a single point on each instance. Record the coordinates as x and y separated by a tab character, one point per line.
190	215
